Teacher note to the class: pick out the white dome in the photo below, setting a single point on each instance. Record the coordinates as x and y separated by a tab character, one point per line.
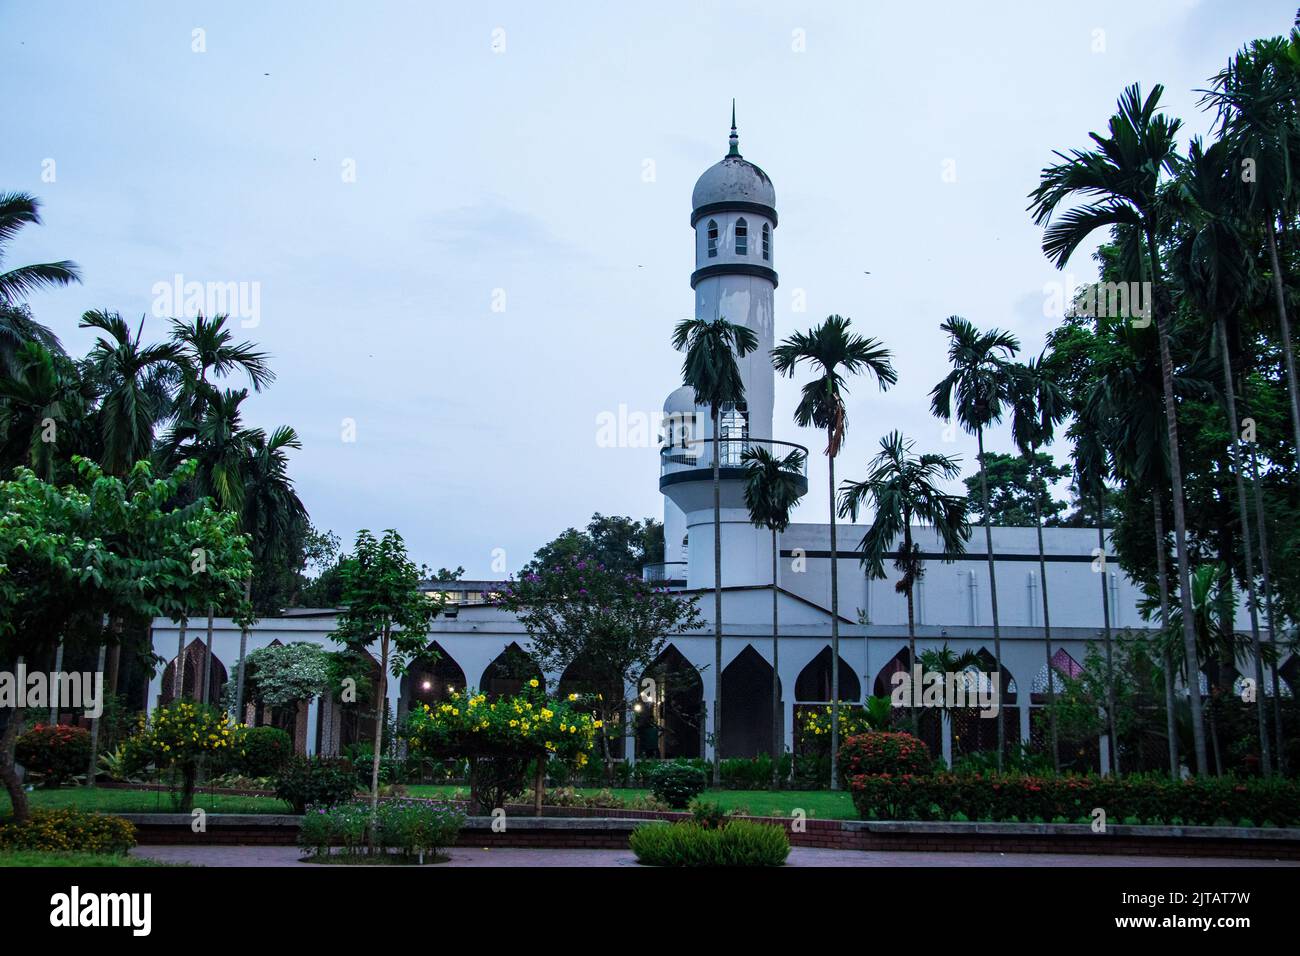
733	179
680	401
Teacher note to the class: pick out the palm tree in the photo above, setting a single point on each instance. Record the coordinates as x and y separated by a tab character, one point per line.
17	328
902	488
1037	406
271	516
1123	176
1090	471
1255	98
772	488
18	210
977	390
833	352
1213	266
710	369
41	408
133	379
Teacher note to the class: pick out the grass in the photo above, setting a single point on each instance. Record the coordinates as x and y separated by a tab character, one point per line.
142	801
50	858
818	804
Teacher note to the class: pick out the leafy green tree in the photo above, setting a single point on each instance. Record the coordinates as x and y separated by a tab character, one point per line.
903	488
1124	176
619	543
773	486
43	407
1017	484
977	391
832	352
281	675
381	588
711	370
614	625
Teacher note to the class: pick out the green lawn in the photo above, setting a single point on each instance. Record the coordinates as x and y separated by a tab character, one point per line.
819	804
143	801
43	858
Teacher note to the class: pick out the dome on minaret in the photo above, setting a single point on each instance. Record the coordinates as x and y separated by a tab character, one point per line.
733	180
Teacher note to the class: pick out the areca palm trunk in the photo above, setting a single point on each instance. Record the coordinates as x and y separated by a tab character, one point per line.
1248	549
92	767
1047	628
381	699
1162	581
1272	612
776	677
243	653
911	617
1180	517
835	630
993	591
1105	623
717	602
1279	295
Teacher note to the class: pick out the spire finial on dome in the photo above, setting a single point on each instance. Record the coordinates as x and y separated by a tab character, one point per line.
734	139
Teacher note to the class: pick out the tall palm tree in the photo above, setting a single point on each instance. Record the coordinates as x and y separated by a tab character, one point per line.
832	352
18	210
902	488
133	379
1255	97
1091	469
272	514
1123	177
17	328
977	391
42	407
710	368
1037	406
1213	267
772	488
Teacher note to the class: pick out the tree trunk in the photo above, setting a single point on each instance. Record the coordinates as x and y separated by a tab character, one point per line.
1105	621
243	653
717	602
1047	627
381	698
93	768
993	594
1288	355
1162	580
1234	427
115	661
911	623
835	635
1180	518
776	676
539	785
207	662
54	688
1272	612
17	795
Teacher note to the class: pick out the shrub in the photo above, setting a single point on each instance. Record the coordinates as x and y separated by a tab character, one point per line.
737	843
677	784
56	752
261	751
315	781
68	829
179	736
410	828
1199	801
708	813
753	773
883	752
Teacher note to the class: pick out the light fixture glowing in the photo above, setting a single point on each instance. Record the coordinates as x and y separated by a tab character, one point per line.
427	685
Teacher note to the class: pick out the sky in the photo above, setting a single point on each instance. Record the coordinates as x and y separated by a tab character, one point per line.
462	230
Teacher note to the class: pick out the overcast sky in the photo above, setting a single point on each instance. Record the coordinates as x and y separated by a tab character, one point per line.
468	224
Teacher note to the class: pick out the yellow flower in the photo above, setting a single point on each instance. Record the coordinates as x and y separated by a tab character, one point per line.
533	682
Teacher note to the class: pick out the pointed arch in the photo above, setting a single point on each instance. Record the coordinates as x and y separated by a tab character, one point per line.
192	682
670	719
813	685
508	672
711	238
900	663
747	705
742	237
432	677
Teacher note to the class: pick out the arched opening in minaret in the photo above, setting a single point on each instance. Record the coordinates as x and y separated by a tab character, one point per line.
670	708
742	237
767	242
712	238
747	706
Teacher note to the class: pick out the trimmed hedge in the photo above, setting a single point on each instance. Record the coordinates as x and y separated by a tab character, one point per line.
738	843
677	784
262	751
56	752
67	829
1151	800
878	751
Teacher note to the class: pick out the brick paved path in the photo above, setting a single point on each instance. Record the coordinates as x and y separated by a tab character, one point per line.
799	856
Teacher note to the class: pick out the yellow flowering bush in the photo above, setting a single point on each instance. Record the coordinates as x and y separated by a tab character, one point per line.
180	735
68	829
814	725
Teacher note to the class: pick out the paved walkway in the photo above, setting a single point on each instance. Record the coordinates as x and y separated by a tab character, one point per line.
799	856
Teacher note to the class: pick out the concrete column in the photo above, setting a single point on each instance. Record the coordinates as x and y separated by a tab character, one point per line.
707	729
395	698
946	738
1105	755
313	725
1024	719
629	726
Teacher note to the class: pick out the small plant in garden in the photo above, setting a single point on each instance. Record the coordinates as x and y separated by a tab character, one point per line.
409	830
67	829
179	736
877	752
261	751
735	843
57	753
677	784
316	781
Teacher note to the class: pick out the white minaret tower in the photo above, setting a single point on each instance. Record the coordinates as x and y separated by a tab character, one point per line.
734	217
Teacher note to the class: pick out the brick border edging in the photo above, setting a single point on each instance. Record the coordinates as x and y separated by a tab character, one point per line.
589	830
